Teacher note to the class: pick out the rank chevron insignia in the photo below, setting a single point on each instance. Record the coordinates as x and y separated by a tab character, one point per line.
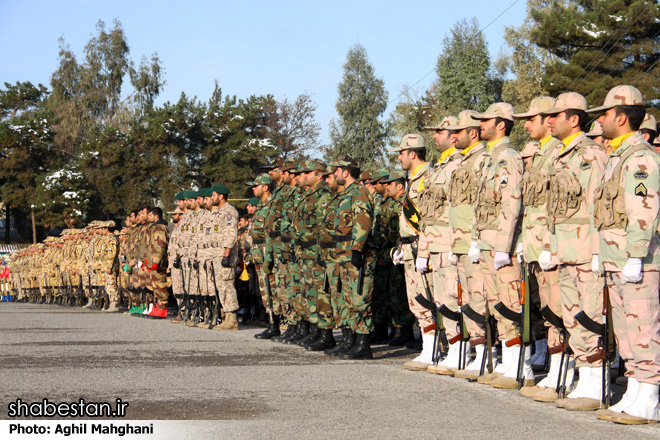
640	190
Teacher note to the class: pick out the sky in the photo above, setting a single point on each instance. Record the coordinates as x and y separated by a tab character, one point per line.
281	48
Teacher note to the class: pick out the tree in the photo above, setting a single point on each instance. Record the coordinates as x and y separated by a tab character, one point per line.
294	130
465	78
362	100
598	45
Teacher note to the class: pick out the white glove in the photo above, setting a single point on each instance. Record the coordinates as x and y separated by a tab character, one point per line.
632	271
501	259
519	252
595	265
545	260
422	264
474	253
138	265
397	257
452	258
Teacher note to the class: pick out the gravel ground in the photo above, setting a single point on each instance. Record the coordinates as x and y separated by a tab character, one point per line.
230	385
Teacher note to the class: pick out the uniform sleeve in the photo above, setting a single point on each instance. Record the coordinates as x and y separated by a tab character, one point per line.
508	178
228	228
363	216
158	244
591	180
641	183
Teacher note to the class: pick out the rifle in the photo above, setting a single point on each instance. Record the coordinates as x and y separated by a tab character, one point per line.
215	314
186	296
607	351
566	351
464	335
525	319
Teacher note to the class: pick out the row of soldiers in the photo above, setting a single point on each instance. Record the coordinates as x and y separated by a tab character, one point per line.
578	217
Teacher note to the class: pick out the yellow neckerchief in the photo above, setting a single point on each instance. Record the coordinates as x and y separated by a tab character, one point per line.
568	140
492	144
616	143
416	170
545	141
445	154
470	148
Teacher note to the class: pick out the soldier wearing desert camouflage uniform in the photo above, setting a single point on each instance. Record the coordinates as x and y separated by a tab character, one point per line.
626	214
434	253
496	231
574	239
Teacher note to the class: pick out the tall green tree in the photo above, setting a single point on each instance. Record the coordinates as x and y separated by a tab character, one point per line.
466	79
359	129
598	44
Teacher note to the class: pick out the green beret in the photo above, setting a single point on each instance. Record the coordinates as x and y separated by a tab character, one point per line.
181	195
205	192
254	201
190	194
220	189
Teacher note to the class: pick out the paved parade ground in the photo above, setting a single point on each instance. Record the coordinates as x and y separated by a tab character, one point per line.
239	387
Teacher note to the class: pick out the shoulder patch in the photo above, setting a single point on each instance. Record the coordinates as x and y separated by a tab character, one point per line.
504	179
229	218
585	165
640	190
581	151
641	175
215	228
502	163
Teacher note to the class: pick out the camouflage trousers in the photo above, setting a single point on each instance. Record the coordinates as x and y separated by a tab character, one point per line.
294	291
581	289
271	302
636	319
158	282
549	294
311	284
339	311
414	287
110	284
224	280
281	287
502	285
390	302
445	288
356	303
472	283
177	281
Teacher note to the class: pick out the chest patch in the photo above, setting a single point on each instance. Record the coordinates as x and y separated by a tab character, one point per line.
641	175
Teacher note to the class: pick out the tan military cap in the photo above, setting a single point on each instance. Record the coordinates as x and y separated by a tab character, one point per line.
595	130
110	224
465	119
530	149
408	142
568	101
176	211
447	121
620	95
502	110
649	123
539	105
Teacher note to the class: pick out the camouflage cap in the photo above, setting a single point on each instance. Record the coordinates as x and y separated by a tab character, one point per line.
465	119
502	110
365	176
288	166
93	224
395	175
378	175
346	161
567	101
329	169
530	149
300	167
446	122
620	95
649	123
220	189
254	201
261	179
595	130
408	142
110	224
275	164
539	105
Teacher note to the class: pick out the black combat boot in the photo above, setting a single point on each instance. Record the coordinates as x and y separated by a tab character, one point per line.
312	336
301	333
361	350
288	333
272	331
326	340
379	335
402	336
345	345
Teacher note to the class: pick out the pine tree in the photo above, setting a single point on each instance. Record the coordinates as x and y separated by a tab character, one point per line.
362	100
598	44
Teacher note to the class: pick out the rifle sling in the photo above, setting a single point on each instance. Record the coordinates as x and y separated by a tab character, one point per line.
507	313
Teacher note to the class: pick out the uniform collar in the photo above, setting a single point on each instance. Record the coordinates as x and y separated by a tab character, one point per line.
568	140
616	143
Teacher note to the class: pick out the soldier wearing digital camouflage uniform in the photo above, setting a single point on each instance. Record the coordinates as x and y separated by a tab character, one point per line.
574	239
626	214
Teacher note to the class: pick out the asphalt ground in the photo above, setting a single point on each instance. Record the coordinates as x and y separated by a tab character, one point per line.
226	384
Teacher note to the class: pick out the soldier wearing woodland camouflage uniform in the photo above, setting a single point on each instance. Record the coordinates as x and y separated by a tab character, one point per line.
574	239
626	214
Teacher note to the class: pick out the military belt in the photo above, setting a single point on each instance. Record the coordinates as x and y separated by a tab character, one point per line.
258	241
326	245
409	240
347	237
307	244
274	234
286	239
